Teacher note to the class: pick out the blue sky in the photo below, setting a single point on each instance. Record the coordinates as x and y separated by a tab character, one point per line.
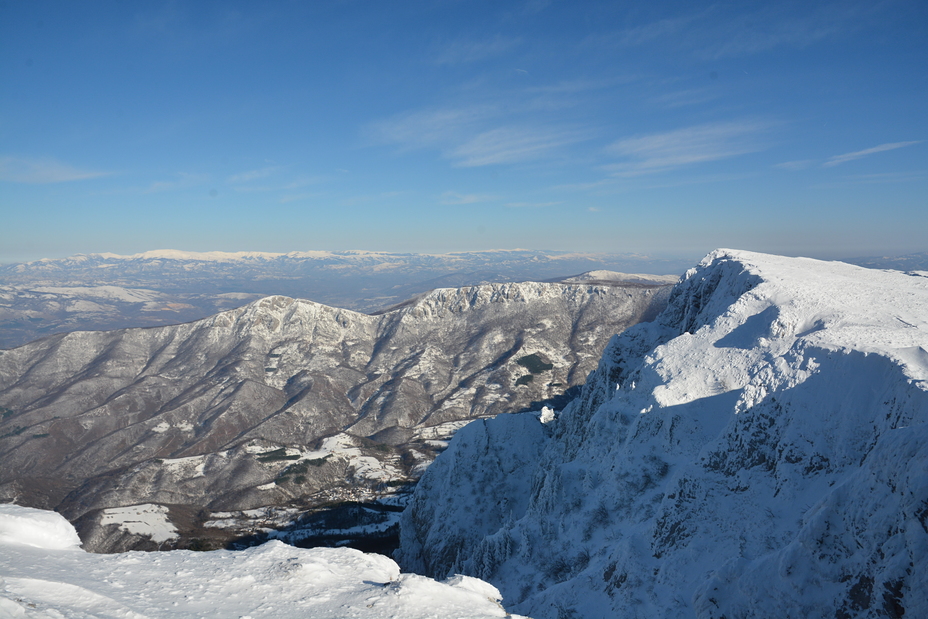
661	128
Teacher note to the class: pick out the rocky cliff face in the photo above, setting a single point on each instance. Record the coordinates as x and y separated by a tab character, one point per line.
760	450
248	418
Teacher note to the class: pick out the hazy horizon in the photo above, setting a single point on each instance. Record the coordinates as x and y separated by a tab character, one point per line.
645	257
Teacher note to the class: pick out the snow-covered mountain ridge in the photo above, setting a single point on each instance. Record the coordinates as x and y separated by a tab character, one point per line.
759	450
244	420
109	291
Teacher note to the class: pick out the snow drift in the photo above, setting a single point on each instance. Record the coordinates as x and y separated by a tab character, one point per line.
36	527
44	574
760	450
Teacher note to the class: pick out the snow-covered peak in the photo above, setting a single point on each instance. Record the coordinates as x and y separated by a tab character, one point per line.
774	301
761	449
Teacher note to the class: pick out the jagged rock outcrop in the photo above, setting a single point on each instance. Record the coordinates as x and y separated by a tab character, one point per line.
760	450
284	402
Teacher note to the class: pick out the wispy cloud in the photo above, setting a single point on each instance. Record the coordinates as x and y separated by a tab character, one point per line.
839	159
801	164
660	152
647	33
875	179
429	128
568	93
183	181
454	198
764	30
531	204
298	197
579	85
780	25
715	33
512	145
643	34
243	183
587	186
464	51
42	171
890	177
468	138
682	98
304	181
253	175
533	7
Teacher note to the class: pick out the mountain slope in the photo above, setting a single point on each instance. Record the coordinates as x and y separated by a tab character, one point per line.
760	450
284	403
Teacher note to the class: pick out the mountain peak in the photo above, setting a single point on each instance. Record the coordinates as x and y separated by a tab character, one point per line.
757	450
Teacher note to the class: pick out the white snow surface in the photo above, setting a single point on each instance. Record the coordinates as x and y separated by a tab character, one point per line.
110	293
44	575
615	276
760	450
37	528
147	519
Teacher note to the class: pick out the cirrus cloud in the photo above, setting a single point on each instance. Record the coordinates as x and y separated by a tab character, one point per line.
659	152
465	51
474	136
455	198
839	159
512	145
42	171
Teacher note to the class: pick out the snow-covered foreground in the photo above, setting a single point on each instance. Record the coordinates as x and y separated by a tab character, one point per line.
760	450
44	573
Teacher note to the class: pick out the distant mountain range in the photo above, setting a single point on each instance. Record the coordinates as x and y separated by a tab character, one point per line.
107	291
245	420
907	262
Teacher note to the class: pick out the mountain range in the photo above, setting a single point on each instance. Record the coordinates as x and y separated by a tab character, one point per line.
236	425
109	291
759	449
905	262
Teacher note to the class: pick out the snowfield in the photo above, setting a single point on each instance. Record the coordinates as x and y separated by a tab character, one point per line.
760	450
45	574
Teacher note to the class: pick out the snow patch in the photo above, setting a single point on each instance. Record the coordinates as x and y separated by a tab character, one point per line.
147	519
